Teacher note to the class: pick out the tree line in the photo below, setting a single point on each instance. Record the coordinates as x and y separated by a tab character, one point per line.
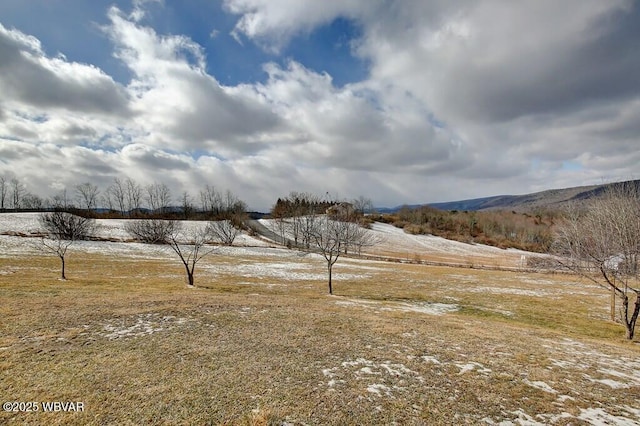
124	197
14	195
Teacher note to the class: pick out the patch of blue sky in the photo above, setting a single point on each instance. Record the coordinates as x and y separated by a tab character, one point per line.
74	28
535	163
572	166
328	49
10	138
207	24
98	145
34	118
196	154
71	28
435	122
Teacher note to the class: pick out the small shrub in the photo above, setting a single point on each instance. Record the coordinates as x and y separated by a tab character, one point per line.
415	229
225	231
401	224
151	231
66	226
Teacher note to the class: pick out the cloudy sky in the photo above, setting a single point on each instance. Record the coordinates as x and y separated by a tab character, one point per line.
401	101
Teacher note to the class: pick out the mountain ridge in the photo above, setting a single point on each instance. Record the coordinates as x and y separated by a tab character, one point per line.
547	199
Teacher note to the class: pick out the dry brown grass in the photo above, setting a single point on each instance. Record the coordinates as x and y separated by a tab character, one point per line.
130	340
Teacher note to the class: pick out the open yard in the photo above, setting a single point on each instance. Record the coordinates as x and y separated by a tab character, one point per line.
260	341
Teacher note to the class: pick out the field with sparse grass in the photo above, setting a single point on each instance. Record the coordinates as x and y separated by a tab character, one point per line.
260	342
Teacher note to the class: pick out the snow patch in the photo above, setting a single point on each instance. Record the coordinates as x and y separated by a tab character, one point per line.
472	366
420	307
378	388
613	384
506	290
598	416
143	325
430	359
540	385
381	379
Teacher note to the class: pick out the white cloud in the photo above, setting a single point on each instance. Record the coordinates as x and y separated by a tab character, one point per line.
463	99
273	23
182	107
29	78
519	88
358	126
139	9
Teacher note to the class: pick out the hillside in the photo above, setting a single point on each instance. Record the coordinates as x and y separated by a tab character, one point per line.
550	199
390	243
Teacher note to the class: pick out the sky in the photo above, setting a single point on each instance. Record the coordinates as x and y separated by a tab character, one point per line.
399	101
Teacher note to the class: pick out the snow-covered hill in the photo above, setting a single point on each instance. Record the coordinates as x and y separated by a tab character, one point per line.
390	242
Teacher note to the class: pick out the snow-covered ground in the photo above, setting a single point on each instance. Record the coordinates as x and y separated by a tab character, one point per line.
382	378
19	222
390	241
111	229
394	242
399	239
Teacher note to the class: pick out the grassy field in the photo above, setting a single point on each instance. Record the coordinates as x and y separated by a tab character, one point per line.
260	341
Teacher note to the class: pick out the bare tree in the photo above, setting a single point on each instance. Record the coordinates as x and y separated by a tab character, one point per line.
117	193
4	191
303	210
67	226
190	247
234	210
330	238
362	205
226	212
107	200
360	237
291	217
133	195
223	230
280	226
307	226
58	247
158	197
187	205
62	230
87	195
61	200
602	243
17	192
294	217
151	231
231	204
211	201
32	201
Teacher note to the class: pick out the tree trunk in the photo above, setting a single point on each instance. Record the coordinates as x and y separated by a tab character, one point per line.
62	275
631	323
190	280
329	267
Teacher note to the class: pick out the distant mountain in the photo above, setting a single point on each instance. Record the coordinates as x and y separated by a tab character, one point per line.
549	199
